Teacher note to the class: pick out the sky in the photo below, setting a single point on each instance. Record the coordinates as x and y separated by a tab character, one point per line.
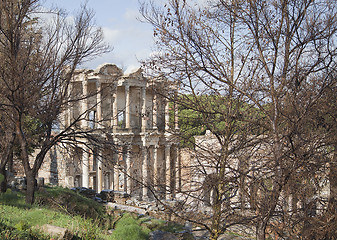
130	39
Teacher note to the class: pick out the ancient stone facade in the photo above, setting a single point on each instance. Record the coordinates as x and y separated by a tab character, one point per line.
142	153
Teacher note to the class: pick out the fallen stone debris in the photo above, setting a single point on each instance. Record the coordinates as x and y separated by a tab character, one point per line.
57	232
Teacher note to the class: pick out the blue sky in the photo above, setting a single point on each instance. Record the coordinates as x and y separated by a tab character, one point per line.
130	38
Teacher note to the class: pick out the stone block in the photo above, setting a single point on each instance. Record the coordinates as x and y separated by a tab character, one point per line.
57	232
160	235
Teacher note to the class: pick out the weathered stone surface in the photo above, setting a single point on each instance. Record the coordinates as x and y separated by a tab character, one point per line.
160	235
89	193
126	208
57	232
107	195
204	235
40	182
121	197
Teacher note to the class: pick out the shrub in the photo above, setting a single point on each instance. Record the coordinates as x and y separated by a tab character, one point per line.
11	198
129	232
20	231
72	203
127	228
2	177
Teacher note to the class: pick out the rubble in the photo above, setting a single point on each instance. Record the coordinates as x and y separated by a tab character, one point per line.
54	231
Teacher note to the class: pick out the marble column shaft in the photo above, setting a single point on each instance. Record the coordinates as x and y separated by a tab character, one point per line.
99	104
128	170
155	112
99	172
143	110
168	171
145	172
85	167
167	115
127	106
84	105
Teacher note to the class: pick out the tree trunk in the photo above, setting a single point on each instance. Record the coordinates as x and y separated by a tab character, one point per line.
31	184
332	205
261	231
3	184
214	236
6	159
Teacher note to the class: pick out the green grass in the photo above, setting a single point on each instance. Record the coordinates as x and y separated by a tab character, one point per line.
130	228
21	221
70	202
85	218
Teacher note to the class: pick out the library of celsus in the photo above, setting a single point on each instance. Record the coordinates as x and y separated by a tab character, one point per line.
129	114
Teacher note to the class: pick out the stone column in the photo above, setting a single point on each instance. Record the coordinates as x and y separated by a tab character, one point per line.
176	117
176	110
167	115
99	104
85	167
127	106
155	167
144	172
116	172
99	172
143	111
114	121
63	119
69	110
168	171
155	112
128	171
178	169
84	105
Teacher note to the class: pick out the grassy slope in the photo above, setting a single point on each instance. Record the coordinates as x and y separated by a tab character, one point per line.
53	208
85	218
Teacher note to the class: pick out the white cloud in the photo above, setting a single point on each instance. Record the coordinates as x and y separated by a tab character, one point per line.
131	14
111	35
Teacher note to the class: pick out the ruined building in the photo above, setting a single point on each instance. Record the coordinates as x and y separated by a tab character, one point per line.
128	112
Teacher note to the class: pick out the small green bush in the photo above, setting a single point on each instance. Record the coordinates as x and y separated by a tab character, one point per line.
22	226
71	202
57	206
129	232
2	177
126	220
20	231
171	227
11	198
128	228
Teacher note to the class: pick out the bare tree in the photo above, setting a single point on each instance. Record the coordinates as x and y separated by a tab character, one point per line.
276	57
39	62
207	68
294	53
